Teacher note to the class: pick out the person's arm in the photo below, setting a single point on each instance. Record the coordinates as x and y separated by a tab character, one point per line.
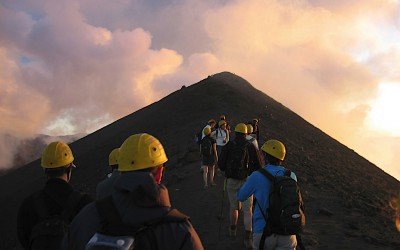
247	189
227	135
215	152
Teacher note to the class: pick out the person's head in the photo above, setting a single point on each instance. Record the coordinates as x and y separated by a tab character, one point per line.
255	121
113	159
274	152
222	118
142	152
240	130
57	161
249	128
222	124
212	123
207	131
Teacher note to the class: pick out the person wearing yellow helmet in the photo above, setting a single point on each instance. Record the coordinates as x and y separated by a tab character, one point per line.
258	185
138	202
104	188
221	135
57	200
238	160
256	128
209	157
250	137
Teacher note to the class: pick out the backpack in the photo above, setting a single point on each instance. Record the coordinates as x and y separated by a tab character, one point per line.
206	147
50	230
113	234
286	209
237	165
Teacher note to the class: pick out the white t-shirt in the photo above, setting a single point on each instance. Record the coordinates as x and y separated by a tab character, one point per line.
254	140
220	135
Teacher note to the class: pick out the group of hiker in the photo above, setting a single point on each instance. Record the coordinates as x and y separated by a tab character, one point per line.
132	209
254	180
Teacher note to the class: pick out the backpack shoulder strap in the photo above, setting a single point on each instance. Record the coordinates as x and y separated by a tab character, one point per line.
266	174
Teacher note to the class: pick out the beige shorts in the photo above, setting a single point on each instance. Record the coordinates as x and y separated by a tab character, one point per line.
232	187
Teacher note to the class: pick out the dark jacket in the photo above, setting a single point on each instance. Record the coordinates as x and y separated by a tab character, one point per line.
138	199
104	188
27	215
254	161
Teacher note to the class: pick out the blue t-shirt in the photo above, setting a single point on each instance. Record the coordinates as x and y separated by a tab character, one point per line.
260	186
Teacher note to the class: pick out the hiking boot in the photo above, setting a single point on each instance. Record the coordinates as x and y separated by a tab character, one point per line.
248	240
232	231
205	187
213	184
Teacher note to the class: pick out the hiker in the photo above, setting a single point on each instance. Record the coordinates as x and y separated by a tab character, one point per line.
227	126
209	157
210	124
104	188
256	129
43	217
239	159
250	137
221	135
139	208
260	186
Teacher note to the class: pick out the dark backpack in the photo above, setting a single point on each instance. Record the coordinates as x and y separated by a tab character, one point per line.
113	234
206	147
285	215
50	230
237	165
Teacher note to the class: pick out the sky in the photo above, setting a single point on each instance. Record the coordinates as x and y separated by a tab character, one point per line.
71	66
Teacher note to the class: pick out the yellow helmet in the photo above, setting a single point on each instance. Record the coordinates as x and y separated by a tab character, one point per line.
207	130
249	128
140	151
241	128
222	122
56	154
274	148
113	157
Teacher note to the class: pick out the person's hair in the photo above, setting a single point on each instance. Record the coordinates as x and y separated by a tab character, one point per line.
272	160
57	172
238	135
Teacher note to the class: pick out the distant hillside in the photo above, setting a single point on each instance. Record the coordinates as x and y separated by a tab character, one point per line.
347	197
28	150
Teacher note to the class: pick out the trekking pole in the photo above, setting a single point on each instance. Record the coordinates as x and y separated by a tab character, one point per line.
220	216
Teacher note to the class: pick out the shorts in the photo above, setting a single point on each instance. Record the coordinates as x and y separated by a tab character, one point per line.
232	187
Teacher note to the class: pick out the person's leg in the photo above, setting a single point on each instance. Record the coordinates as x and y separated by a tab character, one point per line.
286	242
256	240
248	213
205	173
212	174
233	205
269	243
